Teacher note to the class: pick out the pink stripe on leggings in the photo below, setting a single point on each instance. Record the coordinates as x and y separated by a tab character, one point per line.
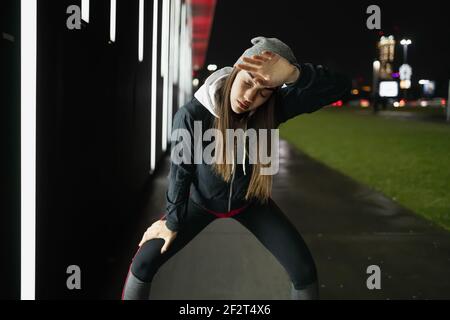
226	214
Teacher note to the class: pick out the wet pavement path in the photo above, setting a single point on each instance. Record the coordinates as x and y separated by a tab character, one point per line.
347	226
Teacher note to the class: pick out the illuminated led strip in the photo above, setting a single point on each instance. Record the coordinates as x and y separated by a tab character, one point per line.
182	57
185	65
28	27
176	41
85	10
141	31
112	21
154	88
165	59
171	73
164	38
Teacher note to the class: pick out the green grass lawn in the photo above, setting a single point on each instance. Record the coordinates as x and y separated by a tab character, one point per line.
409	161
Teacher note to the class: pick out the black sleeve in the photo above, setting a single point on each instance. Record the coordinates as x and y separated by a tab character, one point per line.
181	173
316	87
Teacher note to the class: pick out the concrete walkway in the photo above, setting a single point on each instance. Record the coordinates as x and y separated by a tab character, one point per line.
347	226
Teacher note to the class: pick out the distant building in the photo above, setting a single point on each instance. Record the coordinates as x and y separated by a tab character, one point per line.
386	47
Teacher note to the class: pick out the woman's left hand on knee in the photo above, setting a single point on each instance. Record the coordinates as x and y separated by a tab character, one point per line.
159	230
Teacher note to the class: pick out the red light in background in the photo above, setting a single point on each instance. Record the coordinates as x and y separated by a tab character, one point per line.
364	103
337	103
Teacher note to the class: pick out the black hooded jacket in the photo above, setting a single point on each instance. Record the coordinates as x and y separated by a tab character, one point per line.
316	87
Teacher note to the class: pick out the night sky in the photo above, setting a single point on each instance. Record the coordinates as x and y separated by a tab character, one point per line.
334	33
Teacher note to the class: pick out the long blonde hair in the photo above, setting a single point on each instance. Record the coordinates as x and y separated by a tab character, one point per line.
260	186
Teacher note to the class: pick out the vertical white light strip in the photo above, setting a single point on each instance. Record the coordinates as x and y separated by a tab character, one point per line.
165	61
181	61
172	61
112	21
164	37
176	41
141	31
85	10
154	87
28	27
189	47
182	57
169	107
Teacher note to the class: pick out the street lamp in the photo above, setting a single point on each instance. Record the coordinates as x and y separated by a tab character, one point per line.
375	79
212	67
405	43
405	69
375	76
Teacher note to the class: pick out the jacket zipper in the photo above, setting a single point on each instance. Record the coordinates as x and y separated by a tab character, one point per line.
231	190
232	178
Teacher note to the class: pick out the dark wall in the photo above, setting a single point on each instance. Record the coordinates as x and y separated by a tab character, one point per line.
10	149
93	146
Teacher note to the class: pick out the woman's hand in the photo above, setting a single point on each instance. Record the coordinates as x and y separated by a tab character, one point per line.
270	69
159	230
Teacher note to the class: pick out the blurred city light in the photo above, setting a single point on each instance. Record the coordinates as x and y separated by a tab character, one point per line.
195	82
405	42
375	76
337	103
212	67
429	88
405	72
405	84
364	103
386	47
376	65
388	89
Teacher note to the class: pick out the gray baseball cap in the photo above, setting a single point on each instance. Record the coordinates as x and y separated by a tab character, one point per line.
270	44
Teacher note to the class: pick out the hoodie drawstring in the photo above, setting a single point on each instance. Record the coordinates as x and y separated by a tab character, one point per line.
245	148
245	152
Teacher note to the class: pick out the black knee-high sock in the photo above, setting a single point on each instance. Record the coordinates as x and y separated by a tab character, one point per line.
135	289
310	292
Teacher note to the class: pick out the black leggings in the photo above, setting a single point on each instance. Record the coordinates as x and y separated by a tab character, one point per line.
267	222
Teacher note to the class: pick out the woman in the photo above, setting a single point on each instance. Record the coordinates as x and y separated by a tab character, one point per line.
266	87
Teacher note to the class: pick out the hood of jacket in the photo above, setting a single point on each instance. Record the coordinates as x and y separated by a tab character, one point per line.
208	92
